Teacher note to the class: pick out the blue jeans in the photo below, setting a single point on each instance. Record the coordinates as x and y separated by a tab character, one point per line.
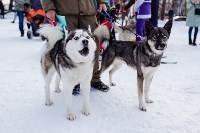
140	25
20	15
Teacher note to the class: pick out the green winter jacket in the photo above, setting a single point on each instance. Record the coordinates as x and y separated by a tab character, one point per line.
192	19
71	7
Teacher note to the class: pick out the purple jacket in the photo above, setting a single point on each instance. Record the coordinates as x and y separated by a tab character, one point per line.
143	7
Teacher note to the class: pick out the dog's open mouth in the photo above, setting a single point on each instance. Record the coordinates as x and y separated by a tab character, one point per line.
84	51
161	49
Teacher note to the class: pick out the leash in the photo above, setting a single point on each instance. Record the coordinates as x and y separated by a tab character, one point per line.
142	38
114	20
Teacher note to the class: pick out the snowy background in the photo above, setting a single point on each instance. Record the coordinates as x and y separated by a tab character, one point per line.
175	90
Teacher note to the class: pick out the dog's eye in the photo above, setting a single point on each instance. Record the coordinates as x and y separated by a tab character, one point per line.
76	38
164	36
153	37
88	37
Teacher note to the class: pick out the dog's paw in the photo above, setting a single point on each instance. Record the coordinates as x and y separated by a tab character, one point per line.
71	117
49	102
112	84
57	90
142	108
149	101
86	112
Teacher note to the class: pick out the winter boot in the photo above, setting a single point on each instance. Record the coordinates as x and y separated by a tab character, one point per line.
22	33
194	42
195	36
190	41
76	90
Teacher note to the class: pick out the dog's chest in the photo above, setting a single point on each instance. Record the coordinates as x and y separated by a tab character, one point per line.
80	72
148	70
151	61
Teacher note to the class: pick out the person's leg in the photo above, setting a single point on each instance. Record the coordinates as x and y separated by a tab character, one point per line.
20	15
15	16
1	15
72	22
2	12
190	35
96	83
34	29
195	35
140	29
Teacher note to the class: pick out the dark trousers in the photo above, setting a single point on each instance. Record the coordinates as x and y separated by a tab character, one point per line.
2	12
20	15
140	25
195	33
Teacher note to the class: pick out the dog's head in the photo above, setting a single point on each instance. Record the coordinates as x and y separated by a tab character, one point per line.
157	37
80	45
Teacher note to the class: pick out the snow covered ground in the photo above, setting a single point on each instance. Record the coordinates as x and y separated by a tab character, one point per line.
175	90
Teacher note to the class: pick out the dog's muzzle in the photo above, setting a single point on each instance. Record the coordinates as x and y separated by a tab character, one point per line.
162	46
85	49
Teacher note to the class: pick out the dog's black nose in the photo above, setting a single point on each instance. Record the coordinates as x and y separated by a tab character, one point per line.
162	45
85	43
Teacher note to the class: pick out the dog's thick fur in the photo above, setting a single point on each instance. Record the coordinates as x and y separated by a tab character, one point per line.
73	59
144	56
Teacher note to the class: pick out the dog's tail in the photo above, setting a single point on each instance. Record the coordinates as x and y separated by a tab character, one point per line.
103	34
51	33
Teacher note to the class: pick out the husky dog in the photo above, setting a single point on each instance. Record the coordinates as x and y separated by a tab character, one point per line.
73	59
126	33
144	56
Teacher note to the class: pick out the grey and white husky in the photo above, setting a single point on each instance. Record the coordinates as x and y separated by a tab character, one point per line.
72	58
144	56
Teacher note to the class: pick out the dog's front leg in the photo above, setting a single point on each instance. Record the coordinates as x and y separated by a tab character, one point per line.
116	66
85	86
57	88
68	88
47	80
140	80
148	80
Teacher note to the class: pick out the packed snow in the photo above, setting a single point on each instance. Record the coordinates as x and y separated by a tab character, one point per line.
175	90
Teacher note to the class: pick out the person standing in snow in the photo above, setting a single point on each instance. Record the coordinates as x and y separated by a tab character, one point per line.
19	7
143	10
193	20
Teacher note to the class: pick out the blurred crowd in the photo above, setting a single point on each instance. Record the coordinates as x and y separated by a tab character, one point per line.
141	10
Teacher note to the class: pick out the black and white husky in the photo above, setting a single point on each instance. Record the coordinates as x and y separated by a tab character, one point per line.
144	56
73	59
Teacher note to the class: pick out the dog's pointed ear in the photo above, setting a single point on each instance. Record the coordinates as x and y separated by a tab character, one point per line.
168	26
148	27
89	29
